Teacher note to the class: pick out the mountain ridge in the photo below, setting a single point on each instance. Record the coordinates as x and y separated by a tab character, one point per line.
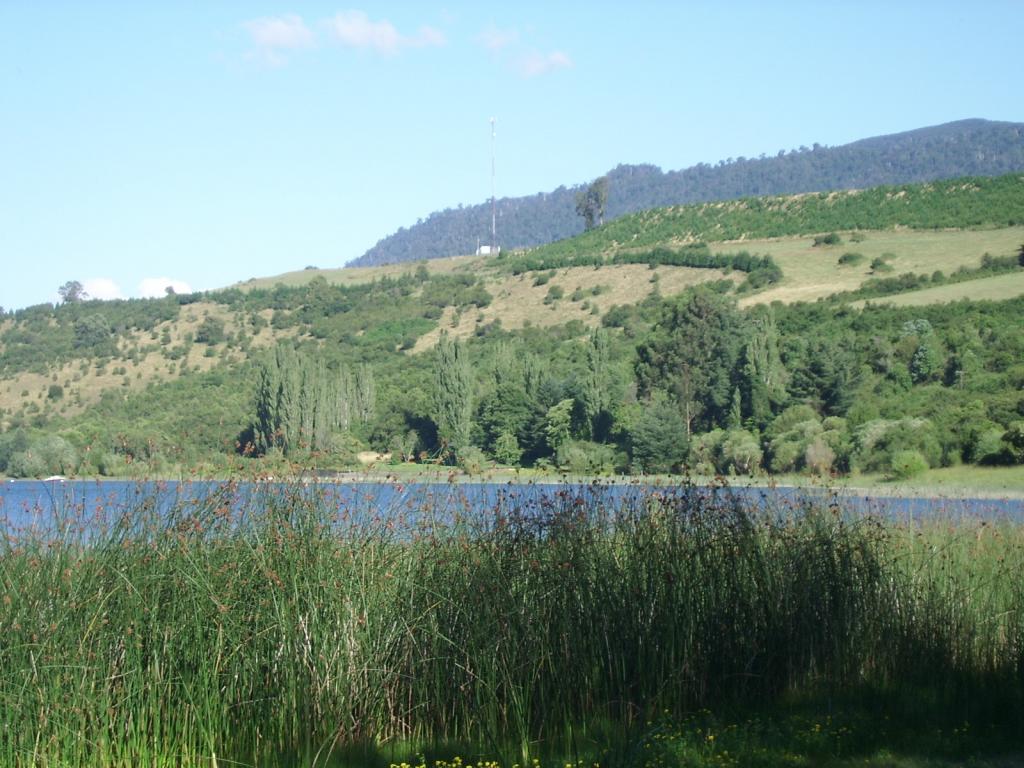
971	147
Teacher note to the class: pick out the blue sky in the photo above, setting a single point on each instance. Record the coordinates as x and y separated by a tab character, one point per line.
200	144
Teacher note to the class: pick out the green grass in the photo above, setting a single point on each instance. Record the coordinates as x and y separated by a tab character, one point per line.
969	478
289	631
956	203
996	288
873	730
810	273
361	275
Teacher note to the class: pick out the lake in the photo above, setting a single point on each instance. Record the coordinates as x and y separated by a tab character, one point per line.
98	502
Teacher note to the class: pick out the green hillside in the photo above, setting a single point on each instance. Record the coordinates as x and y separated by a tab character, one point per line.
963	148
953	204
806	334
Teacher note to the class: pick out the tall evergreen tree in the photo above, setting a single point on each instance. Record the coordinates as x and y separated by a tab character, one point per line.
299	402
453	395
595	392
265	424
365	393
764	376
591	202
693	353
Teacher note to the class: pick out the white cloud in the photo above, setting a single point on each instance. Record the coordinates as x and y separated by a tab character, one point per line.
152	287
102	288
285	32
275	35
428	37
354	29
535	64
494	39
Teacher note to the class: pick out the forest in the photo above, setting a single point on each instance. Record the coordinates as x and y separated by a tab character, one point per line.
687	382
700	381
963	148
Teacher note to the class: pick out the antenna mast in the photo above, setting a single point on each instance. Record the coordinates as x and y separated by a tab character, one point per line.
494	210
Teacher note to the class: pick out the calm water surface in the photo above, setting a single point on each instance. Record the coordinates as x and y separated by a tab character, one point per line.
41	503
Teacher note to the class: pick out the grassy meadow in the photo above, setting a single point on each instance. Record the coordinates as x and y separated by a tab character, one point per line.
660	629
809	273
996	288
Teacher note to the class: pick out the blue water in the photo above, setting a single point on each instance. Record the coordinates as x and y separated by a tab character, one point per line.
99	504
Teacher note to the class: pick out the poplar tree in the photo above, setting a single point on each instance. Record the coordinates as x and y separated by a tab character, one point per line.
764	376
299	403
453	395
595	391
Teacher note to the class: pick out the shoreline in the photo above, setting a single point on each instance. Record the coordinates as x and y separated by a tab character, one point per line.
842	487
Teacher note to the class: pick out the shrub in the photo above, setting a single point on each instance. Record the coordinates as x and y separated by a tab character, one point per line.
741	453
1013	439
906	464
91	331
585	458
555	292
881	263
785	455
705	452
506	449
830	239
819	456
851	259
26	464
403	446
791	417
989	448
471	460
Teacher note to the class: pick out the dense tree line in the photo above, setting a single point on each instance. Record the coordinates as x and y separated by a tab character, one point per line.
761	270
815	388
300	403
687	382
965	148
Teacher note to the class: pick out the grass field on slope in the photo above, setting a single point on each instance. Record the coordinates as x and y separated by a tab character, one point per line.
811	272
995	288
360	275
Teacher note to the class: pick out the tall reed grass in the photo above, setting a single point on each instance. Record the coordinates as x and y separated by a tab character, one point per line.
285	626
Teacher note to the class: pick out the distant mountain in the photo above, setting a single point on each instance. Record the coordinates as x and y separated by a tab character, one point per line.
963	148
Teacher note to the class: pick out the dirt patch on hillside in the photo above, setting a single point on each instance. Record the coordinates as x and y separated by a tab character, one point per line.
518	302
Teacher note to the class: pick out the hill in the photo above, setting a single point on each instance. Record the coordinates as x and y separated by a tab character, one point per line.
964	148
732	337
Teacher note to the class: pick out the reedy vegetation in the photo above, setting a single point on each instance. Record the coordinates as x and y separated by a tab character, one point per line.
278	624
